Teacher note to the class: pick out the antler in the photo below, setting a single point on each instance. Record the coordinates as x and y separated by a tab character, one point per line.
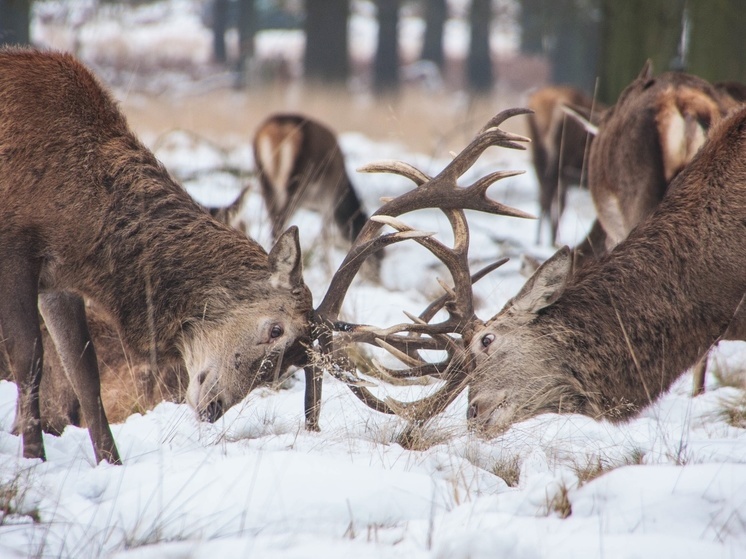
405	341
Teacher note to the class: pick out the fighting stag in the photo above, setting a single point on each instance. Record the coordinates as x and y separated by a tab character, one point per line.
405	341
88	211
609	339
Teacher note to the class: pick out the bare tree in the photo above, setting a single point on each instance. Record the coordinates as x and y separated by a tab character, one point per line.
386	64
436	13
326	57
479	64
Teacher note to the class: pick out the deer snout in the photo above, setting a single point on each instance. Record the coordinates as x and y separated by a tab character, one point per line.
214	411
489	414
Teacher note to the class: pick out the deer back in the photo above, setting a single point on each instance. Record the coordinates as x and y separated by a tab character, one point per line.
90	211
609	340
300	164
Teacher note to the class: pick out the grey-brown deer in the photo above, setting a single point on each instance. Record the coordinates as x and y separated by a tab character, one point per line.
300	164
609	340
89	211
559	148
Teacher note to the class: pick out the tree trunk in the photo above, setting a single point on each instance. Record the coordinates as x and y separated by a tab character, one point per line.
219	25
633	31
436	13
15	21
246	32
326	57
479	63
386	63
718	28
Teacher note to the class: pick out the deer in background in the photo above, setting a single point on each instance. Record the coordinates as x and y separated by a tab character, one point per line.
610	339
644	140
559	148
89	211
653	131
300	164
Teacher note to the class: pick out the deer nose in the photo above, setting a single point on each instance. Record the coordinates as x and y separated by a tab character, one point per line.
472	412
213	411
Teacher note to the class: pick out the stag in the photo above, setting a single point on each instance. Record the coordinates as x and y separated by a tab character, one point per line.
559	148
300	164
88	211
609	340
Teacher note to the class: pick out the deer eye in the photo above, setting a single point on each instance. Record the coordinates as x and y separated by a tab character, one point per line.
276	331
487	339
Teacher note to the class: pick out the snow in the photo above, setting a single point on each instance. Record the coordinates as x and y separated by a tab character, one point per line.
256	483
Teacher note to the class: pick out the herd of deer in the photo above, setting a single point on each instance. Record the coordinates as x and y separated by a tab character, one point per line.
99	243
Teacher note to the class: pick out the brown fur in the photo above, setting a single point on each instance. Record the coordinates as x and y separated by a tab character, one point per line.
558	148
300	164
610	340
88	211
643	142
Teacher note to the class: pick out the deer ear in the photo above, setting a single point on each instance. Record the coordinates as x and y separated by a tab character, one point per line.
546	285
647	71
285	265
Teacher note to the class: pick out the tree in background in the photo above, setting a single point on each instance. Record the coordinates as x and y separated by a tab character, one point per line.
716	48
633	31
567	32
219	25
326	57
436	13
15	19
247	28
386	63
479	72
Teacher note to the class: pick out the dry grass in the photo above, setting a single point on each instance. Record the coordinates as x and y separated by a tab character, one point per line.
596	466
508	468
432	123
559	504
11	500
733	410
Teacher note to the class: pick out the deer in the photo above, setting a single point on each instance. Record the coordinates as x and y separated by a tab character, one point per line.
608	339
559	148
89	212
300	164
644	140
653	131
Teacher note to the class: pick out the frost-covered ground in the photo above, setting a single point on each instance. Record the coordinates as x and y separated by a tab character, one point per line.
671	483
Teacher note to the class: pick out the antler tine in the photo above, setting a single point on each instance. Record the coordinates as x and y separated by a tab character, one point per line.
432	309
502	116
397	168
489	135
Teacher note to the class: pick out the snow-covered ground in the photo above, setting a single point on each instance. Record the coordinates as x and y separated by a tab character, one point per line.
669	484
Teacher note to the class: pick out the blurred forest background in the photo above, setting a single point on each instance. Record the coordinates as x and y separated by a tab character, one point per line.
586	43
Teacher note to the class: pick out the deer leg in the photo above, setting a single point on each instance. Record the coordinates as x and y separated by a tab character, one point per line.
19	321
699	373
312	400
64	316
